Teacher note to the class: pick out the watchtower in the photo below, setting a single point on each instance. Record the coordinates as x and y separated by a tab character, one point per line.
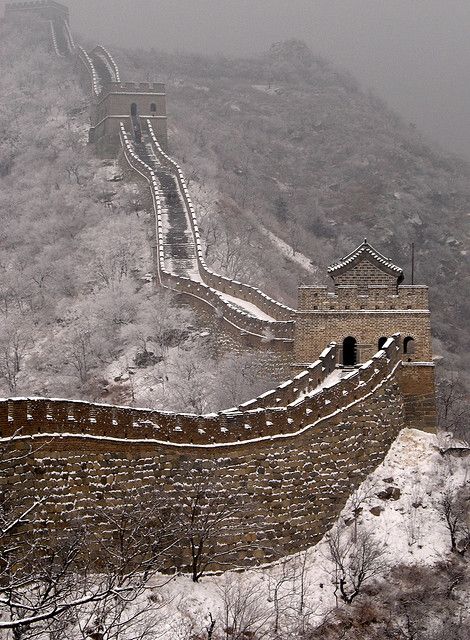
124	102
367	304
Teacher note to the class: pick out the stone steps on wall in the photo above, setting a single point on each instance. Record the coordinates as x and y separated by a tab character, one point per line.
101	69
178	242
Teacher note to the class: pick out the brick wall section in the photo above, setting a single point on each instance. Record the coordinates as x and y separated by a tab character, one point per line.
366	272
277	335
417	385
273	308
293	487
379	312
266	418
369	312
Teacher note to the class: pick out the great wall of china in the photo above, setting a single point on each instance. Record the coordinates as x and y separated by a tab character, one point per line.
360	357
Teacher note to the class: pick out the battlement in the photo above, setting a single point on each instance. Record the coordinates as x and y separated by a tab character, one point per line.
134	87
289	407
355	297
294	465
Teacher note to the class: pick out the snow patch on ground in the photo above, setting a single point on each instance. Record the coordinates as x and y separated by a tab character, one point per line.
248	307
267	88
287	251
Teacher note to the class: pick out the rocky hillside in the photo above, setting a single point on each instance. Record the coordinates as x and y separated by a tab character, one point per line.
287	143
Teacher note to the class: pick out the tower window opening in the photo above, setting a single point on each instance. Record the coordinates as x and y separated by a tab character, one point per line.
409	346
153	108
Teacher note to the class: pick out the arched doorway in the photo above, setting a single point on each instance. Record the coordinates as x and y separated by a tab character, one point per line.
381	342
153	108
408	346
133	109
349	351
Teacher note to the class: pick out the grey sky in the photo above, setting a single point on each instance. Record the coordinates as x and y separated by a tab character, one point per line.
413	53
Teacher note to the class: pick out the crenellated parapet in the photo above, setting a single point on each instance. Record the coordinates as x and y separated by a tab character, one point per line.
253	295
290	408
373	297
294	465
270	334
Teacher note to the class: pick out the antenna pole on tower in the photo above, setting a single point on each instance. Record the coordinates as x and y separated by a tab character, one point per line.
412	263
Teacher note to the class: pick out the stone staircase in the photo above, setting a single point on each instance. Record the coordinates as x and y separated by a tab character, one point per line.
61	40
101	69
178	243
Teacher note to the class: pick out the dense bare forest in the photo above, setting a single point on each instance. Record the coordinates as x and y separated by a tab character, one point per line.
79	315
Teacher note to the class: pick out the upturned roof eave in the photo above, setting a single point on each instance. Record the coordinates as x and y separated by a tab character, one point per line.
367	251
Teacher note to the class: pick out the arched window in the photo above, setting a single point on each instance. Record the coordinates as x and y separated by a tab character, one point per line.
381	342
133	109
153	108
349	351
409	346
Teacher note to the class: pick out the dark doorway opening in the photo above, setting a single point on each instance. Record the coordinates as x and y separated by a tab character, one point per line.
349	351
133	109
381	342
153	108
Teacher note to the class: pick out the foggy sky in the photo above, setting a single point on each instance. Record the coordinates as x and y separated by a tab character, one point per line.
413	53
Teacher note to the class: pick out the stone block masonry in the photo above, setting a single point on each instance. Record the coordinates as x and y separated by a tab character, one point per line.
292	485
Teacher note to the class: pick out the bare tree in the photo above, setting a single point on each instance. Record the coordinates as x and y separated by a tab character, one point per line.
205	517
453	506
79	581
15	339
356	560
453	408
244	614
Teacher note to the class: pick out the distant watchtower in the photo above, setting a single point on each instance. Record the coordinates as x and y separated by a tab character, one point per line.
122	102
45	9
367	304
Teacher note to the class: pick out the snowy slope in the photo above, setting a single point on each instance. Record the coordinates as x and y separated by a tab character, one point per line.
414	474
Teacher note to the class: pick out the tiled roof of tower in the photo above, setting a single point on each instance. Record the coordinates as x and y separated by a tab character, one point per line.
365	250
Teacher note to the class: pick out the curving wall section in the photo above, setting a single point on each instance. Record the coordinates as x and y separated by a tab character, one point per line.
276	334
271	307
288	469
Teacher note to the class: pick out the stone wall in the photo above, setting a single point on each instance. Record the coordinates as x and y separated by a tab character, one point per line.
256	332
275	309
289	484
365	271
368	316
417	385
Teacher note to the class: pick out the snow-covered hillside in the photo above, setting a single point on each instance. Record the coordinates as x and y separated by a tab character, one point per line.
398	504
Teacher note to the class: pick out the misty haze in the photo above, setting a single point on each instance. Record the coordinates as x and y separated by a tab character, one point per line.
234	302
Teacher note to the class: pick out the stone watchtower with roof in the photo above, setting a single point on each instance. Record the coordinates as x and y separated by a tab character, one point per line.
367	304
